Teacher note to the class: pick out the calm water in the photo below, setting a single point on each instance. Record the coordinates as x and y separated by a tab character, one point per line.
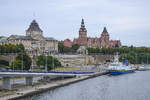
135	86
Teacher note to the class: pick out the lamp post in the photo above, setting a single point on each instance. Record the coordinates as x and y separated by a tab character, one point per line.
13	62
46	61
136	58
147	58
22	61
33	57
53	62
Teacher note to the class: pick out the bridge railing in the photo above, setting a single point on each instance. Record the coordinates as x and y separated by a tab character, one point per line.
59	72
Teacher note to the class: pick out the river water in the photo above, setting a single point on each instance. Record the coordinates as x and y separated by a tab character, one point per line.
134	86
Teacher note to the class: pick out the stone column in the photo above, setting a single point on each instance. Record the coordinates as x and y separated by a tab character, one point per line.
29	80
6	83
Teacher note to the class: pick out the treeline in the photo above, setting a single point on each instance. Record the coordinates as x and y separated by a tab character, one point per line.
135	55
48	61
11	48
121	50
21	62
136	58
64	49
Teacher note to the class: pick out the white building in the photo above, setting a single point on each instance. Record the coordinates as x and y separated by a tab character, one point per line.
34	41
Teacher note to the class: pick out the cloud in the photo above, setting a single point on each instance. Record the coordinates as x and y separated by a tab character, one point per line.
127	20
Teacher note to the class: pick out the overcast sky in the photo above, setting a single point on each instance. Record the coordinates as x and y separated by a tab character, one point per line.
127	20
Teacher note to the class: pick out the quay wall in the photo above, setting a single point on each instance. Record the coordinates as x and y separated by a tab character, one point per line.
50	86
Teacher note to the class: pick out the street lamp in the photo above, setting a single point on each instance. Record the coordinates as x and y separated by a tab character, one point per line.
22	61
147	58
52	61
13	62
136	58
46	62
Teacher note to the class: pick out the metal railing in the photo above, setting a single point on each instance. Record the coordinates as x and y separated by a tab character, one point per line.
60	72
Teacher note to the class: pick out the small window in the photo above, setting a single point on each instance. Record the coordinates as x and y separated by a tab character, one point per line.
33	43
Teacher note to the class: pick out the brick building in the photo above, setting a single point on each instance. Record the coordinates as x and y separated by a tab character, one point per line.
102	41
67	43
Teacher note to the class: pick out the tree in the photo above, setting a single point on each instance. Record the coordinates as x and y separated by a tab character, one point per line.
60	48
20	47
4	64
75	47
25	60
66	49
41	61
57	63
11	48
16	65
136	55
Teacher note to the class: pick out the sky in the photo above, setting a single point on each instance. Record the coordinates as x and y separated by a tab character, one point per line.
126	20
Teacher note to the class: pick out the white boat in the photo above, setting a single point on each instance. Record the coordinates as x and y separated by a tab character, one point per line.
143	68
117	68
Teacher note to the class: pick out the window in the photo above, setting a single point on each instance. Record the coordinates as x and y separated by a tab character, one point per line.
33	43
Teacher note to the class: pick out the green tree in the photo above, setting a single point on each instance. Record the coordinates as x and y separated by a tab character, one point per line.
20	47
133	54
16	65
4	64
75	47
63	49
11	48
66	49
25	59
41	61
60	48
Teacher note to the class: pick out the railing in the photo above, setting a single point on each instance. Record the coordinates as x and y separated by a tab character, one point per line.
59	72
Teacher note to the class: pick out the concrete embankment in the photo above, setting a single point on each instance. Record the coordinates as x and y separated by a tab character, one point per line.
48	86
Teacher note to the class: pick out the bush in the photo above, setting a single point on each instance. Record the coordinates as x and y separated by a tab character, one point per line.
4	62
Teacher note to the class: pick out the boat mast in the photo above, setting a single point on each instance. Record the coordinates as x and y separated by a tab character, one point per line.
147	58
116	58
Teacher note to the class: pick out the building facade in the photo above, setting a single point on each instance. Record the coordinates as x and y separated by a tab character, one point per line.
34	41
67	43
3	40
94	42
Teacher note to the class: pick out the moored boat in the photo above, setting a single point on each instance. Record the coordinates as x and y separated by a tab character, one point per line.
120	72
117	68
143	68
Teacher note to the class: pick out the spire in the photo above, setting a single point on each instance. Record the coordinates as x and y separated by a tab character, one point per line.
82	28
105	30
34	21
82	23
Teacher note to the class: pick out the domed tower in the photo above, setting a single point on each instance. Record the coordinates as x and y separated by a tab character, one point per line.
83	34
34	30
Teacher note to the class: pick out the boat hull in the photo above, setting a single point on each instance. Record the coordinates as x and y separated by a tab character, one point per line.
120	72
143	68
